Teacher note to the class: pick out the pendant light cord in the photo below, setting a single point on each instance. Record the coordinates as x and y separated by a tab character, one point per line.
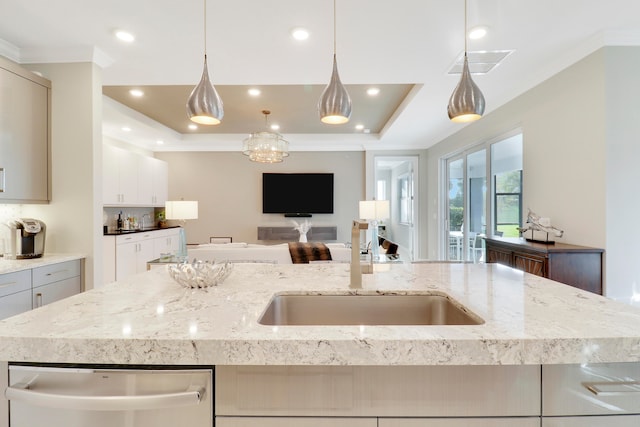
205	29
334	27
465	28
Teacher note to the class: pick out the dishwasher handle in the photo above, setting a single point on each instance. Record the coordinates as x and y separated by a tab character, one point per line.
21	392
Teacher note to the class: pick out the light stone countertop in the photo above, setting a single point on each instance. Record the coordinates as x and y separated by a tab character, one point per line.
149	319
14	265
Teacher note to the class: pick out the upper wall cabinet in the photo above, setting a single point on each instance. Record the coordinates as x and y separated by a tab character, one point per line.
24	135
130	179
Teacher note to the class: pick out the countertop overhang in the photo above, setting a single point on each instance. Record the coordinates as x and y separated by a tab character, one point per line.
149	319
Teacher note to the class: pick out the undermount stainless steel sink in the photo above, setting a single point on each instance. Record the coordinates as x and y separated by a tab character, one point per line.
377	309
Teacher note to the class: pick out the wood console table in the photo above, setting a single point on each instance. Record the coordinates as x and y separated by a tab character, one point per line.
578	266
290	234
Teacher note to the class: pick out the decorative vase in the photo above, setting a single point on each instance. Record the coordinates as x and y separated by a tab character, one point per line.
303	237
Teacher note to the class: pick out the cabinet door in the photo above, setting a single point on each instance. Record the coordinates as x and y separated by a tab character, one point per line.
145	253
128	176
126	264
24	139
145	180
110	177
160	182
55	291
530	264
495	255
13	304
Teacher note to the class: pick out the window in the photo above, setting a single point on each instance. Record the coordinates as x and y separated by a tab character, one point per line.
508	203
404	199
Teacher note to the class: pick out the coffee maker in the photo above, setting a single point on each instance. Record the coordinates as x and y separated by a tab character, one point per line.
26	239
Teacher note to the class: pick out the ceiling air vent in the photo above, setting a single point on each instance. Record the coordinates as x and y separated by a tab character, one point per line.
480	62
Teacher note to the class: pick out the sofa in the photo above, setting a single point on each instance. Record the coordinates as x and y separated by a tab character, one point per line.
248	252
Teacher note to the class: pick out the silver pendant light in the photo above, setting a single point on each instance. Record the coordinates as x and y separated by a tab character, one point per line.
334	104
204	105
467	102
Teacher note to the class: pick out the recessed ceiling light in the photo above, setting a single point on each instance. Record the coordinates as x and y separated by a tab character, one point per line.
300	33
254	92
126	129
478	32
275	126
193	126
160	142
136	92
359	127
373	91
125	36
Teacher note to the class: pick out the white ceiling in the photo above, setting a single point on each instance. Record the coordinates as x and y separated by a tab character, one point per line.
412	42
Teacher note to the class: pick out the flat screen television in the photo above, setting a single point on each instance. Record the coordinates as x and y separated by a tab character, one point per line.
297	194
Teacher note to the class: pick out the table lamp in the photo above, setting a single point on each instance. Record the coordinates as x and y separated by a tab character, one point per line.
374	211
181	210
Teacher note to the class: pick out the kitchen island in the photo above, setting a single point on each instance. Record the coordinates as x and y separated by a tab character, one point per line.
529	363
149	319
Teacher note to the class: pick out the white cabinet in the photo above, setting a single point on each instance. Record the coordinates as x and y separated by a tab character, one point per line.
24	135
593	421
119	176
31	288
15	293
166	241
153	181
132	253
55	282
130	179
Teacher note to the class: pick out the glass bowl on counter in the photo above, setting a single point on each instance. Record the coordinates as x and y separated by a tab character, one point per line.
199	274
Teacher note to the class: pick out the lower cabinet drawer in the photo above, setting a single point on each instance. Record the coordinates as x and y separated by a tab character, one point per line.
294	422
598	421
54	272
47	294
459	422
597	389
378	391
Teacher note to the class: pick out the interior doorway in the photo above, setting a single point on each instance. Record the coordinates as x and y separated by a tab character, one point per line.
396	180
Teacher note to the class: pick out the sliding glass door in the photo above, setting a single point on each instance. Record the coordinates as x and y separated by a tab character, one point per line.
477	206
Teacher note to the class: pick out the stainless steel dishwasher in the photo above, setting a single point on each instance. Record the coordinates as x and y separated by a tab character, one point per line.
83	397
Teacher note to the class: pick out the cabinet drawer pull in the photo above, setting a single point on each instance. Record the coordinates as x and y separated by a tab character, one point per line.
613	388
56	272
2	285
38	300
2	180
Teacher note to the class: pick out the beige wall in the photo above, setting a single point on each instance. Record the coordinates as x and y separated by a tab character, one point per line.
581	148
74	215
228	188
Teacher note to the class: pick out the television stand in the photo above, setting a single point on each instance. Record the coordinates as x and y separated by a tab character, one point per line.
290	234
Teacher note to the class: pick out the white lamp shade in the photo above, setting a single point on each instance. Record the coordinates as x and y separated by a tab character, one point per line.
181	209
374	209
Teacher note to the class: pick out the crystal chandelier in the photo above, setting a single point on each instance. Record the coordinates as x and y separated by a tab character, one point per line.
265	146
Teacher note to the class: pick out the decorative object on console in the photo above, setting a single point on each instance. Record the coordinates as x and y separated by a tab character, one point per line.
539	229
467	102
374	211
334	104
302	229
199	274
181	210
204	105
265	146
